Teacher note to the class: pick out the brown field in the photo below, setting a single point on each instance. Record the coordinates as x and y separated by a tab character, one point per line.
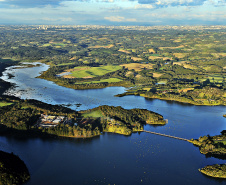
136	59
178	40
181	46
218	54
185	90
189	66
180	55
185	64
151	51
129	73
68	76
124	51
156	75
137	66
73	58
180	63
97	46
138	76
155	57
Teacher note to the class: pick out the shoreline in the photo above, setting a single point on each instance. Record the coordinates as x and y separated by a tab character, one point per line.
117	84
167	99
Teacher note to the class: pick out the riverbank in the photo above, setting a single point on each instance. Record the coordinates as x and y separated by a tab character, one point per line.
127	84
174	98
20	117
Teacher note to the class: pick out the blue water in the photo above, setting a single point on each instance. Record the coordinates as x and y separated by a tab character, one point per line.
110	158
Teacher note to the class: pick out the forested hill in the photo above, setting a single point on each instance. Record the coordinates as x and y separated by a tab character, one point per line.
12	169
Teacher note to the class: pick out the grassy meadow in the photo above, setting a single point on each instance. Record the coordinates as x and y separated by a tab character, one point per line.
90	72
93	114
108	80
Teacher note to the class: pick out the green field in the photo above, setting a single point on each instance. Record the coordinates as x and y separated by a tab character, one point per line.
2	104
81	72
109	80
222	141
94	114
214	78
65	64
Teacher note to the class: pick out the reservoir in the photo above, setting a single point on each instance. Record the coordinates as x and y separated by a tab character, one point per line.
141	158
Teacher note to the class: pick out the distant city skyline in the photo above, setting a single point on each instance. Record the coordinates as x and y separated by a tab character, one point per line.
113	12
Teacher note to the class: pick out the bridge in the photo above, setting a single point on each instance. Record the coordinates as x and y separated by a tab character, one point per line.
174	137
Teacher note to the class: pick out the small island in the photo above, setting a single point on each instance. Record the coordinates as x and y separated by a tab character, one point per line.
217	171
213	146
12	169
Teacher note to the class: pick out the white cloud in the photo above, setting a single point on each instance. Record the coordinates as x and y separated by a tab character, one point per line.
168	2
144	6
117	11
108	1
63	19
119	19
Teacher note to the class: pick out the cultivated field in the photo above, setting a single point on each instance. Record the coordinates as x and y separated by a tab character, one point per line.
2	104
109	80
93	114
90	72
137	66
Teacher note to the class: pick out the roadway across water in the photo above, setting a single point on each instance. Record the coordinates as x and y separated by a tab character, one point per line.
165	135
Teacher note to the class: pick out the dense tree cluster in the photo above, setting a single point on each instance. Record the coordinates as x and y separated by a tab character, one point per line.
12	169
212	145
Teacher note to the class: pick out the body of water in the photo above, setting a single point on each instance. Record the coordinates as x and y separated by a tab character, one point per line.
110	158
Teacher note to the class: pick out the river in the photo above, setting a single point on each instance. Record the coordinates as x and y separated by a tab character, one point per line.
110	158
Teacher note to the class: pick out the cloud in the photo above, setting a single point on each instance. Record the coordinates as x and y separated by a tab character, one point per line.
62	19
217	2
38	3
108	1
30	3
163	3
144	6
119	19
120	12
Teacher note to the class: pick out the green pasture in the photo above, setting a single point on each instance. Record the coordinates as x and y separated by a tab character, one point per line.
3	104
25	107
222	141
154	55
93	71
162	82
93	114
46	45
65	64
217	78
109	80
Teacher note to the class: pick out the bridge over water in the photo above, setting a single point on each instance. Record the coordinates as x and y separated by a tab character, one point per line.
174	137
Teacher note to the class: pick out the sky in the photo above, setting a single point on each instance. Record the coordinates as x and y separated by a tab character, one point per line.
113	12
